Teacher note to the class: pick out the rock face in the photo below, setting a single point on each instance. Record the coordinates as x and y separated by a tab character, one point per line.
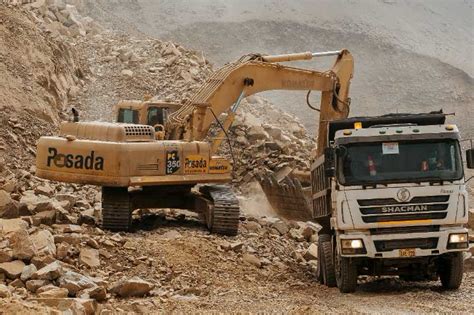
132	287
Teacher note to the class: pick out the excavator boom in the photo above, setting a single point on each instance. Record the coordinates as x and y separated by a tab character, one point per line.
252	74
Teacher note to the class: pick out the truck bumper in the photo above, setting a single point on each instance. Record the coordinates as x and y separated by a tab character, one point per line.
395	245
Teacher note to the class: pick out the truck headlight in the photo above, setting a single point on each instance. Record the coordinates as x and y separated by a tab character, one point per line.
458	240
355	246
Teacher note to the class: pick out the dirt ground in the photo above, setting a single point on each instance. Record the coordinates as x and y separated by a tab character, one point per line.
220	282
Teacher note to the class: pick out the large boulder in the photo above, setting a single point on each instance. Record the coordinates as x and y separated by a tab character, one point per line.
131	287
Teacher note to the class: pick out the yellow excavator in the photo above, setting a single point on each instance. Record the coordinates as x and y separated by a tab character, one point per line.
154	156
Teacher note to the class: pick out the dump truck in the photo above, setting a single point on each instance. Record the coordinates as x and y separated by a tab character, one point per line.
390	195
155	155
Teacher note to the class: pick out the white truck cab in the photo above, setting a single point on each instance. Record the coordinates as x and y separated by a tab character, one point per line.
396	200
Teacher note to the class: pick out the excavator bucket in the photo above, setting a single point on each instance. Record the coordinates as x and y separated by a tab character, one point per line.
287	195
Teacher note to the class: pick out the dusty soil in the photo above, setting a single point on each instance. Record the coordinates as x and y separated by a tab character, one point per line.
220	281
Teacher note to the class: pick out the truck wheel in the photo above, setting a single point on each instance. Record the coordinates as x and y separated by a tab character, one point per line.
321	238
346	274
451	271
327	263
116	209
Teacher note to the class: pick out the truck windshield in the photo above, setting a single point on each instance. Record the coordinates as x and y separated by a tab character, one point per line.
403	161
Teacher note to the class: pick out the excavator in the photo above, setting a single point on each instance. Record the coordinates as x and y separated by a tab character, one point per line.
155	156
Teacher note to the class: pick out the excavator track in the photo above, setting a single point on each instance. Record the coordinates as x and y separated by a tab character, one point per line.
116	209
223	211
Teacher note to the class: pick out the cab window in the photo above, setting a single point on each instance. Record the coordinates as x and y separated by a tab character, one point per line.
128	116
157	115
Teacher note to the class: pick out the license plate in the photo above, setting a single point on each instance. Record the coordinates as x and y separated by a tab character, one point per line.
407	252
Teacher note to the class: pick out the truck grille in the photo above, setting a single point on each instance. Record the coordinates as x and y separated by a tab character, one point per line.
422	243
418	208
405	229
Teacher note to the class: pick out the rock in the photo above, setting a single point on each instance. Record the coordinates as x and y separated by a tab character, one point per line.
252	259
43	241
44	190
236	246
252	226
9	186
257	133
89	257
128	73
296	235
75	282
171	235
17	283
6	254
12	225
308	231
53	293
281	227
131	287
12	269
70	305
50	272
45	217
72	238
34	285
470	222
36	203
87	217
117	238
4	291
311	253
22	245
8	207
67	200
41	261
28	272
62	250
97	293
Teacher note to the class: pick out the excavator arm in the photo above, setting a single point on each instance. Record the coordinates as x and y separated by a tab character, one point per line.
252	74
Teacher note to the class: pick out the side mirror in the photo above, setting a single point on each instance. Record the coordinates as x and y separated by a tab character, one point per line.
470	158
329	162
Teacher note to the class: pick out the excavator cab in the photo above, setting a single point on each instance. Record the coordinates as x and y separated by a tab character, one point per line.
151	113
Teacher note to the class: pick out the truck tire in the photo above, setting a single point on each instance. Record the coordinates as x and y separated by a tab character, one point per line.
451	270
346	274
321	238
327	263
116	209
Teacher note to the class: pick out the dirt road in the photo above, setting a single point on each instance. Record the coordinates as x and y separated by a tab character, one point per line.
207	278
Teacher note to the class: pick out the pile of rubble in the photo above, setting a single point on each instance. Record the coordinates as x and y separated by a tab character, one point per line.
266	140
